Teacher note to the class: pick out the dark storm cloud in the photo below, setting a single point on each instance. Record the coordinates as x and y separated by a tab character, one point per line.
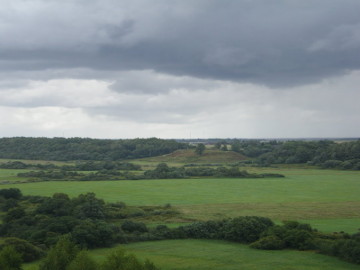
272	42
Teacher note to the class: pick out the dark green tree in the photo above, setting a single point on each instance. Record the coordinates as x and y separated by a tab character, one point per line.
82	261
200	148
120	260
60	256
10	259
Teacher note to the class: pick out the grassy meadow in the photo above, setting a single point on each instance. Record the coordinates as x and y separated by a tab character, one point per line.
9	175
214	255
325	198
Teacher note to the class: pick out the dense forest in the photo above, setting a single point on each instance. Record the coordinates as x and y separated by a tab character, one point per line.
84	148
323	153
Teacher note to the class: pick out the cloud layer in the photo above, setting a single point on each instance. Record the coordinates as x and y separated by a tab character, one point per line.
277	43
205	68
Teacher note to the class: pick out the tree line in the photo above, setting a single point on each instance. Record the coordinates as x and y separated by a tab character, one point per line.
99	171
63	149
324	153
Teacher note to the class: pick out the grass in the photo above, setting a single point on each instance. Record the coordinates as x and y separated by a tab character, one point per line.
304	194
9	175
349	225
210	254
302	186
214	255
327	199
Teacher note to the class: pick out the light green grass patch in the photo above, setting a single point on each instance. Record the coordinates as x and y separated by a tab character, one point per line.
11	175
215	255
275	211
304	194
348	225
300	186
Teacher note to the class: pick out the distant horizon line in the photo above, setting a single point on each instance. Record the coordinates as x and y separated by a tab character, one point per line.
194	139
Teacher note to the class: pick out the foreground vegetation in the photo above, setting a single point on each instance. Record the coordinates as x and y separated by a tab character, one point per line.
192	254
32	224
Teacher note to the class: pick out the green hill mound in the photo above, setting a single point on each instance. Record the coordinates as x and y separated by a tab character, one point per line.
189	156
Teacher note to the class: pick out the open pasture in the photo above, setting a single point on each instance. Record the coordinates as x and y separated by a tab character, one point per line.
214	255
210	254
304	194
10	175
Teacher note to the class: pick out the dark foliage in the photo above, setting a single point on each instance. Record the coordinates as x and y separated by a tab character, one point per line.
300	236
46	219
245	229
11	193
163	171
326	154
28	251
41	221
10	259
84	148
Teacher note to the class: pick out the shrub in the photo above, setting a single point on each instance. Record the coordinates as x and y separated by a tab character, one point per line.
299	239
82	261
246	229
269	242
10	259
60	256
14	193
119	260
131	226
28	251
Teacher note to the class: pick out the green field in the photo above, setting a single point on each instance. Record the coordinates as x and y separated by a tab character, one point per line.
325	198
10	175
214	255
210	254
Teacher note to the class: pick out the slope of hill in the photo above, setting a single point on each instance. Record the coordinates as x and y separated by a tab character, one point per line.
189	156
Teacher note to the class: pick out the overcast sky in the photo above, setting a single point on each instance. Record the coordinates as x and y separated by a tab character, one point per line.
180	68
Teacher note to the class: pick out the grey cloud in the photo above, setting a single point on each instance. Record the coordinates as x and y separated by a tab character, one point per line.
277	43
342	38
150	82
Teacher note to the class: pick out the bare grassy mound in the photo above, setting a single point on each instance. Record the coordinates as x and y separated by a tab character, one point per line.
209	156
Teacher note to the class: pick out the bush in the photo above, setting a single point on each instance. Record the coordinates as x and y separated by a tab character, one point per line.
348	250
271	242
131	226
91	234
10	259
27	250
60	256
13	193
82	261
246	229
299	239
119	260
